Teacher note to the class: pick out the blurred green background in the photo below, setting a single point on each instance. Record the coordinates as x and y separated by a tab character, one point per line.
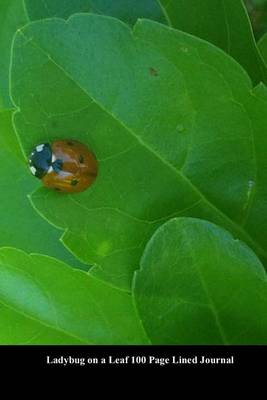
258	15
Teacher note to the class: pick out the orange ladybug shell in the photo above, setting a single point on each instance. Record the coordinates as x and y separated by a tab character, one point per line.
78	169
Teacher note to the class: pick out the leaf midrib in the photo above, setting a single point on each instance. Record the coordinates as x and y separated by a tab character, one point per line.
227	28
212	305
236	228
164	12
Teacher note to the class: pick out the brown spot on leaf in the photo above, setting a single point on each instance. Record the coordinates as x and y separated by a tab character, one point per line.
153	71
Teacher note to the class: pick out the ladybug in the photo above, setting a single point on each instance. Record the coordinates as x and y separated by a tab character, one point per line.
65	165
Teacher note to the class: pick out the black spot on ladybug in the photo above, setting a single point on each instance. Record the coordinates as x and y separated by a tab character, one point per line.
74	182
81	159
153	71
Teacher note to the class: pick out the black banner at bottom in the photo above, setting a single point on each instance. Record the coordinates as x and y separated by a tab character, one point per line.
95	357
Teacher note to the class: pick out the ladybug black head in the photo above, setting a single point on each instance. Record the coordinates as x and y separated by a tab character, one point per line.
40	160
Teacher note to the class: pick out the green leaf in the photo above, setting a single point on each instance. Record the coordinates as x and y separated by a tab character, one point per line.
21	226
198	285
224	23
261	92
254	221
126	10
48	302
163	111
12	16
262	45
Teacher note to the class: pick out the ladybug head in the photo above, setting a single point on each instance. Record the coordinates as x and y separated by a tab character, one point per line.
40	160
